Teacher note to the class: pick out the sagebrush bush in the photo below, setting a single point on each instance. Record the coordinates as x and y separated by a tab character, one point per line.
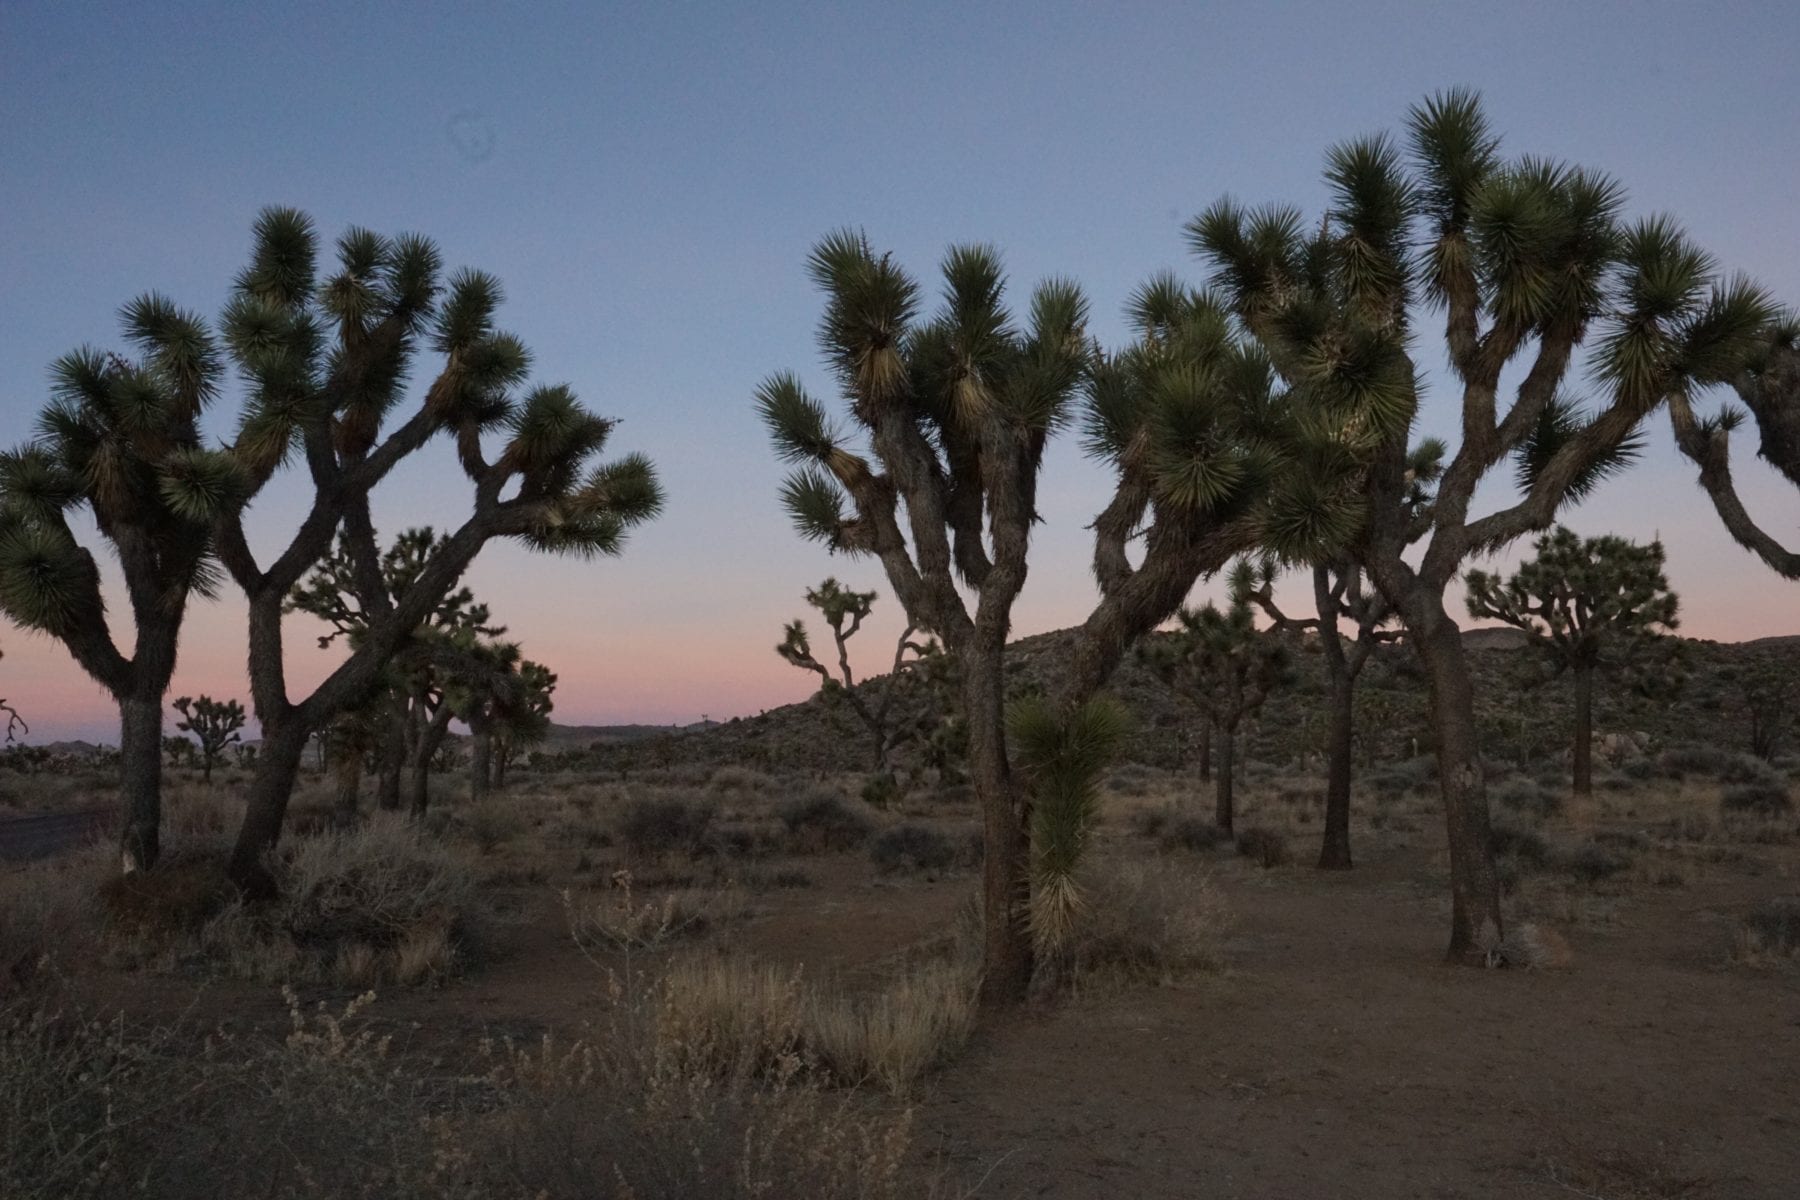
1678	762
1768	798
881	791
1526	795
492	822
1521	845
823	820
912	847
1192	833
1591	862
1771	928
1264	847
654	826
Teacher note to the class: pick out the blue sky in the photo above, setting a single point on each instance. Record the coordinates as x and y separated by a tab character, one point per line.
647	179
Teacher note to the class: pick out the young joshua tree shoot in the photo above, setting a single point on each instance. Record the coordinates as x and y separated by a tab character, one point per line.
1588	605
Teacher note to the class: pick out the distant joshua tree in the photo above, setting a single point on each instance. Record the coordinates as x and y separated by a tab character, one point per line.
214	724
1593	605
15	724
1225	668
838	605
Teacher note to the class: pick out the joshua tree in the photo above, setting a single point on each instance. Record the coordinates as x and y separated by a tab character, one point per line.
1767	380
1338	595
1224	667
522	718
484	683
957	411
1768	703
326	362
1600	604
214	724
404	717
838	604
1529	263
120	439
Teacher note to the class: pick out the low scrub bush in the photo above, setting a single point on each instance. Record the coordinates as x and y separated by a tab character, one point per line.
1265	847
493	822
653	826
626	920
1591	861
881	791
912	847
823	820
1772	928
1525	795
1192	833
1766	798
1678	762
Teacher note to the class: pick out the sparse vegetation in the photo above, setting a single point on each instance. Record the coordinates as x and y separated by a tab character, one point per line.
912	847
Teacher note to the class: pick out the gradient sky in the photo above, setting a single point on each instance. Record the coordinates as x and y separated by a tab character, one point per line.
647	179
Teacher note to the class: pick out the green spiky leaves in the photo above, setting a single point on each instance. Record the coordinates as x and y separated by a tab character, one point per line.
815	505
1063	758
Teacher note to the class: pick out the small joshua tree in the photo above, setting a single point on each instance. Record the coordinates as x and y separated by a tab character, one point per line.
1599	604
838	605
522	716
214	724
1225	668
15	724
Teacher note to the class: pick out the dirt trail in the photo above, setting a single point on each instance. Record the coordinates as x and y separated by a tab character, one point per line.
1335	1059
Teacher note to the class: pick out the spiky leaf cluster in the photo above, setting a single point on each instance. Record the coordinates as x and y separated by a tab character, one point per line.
1218	660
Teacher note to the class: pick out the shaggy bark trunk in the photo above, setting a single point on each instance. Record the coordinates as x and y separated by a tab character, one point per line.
140	781
502	759
1206	740
481	753
418	767
1584	730
206	765
1474	884
391	762
277	767
1334	850
1006	879
1222	795
349	786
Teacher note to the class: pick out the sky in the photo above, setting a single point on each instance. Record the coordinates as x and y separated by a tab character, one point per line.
646	180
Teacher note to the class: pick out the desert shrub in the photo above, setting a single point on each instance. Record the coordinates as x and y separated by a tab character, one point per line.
912	847
1747	768
1771	928
1612	781
1399	778
822	820
177	898
881	791
1767	798
740	779
1152	923
1132	779
651	826
1638	770
1678	762
1149	822
897	1034
48	909
1518	844
1526	795
1591	861
1264	847
493	822
1192	833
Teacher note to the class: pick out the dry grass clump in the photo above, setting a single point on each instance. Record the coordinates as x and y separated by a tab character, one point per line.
1760	797
1152	923
624	921
730	1017
1770	930
492	822
823	820
740	779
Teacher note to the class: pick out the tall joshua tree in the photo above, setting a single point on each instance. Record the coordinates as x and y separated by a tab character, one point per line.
1225	668
844	611
1529	263
1589	605
522	716
214	724
120	439
326	362
956	411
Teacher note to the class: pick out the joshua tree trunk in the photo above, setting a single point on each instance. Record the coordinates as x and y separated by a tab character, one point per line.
1222	794
1206	740
277	766
1334	851
140	780
1006	879
1474	885
481	755
349	785
1584	730
418	766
